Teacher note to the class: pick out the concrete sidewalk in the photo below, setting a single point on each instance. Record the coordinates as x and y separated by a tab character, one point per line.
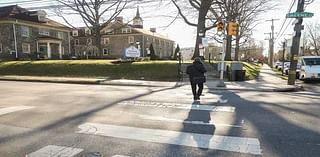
267	81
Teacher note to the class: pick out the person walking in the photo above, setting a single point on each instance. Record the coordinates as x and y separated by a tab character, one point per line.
196	76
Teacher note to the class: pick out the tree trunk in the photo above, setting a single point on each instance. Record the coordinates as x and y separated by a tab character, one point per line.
228	48
97	37
236	52
201	31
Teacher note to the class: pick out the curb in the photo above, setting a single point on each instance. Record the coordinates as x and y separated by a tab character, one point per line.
178	84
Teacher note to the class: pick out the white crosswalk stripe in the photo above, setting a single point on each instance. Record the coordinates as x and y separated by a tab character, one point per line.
226	143
56	151
165	119
179	106
7	110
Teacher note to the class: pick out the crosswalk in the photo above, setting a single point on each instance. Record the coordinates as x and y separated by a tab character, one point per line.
7	110
244	145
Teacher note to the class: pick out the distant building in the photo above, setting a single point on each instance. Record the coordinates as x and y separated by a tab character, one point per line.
29	34
117	36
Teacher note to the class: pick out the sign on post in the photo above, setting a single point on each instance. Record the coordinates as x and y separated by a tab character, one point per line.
132	52
299	15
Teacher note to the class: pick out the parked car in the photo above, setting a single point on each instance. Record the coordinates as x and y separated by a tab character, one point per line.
310	68
280	68
276	64
287	68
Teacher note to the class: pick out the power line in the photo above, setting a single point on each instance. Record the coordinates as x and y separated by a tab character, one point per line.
23	2
284	21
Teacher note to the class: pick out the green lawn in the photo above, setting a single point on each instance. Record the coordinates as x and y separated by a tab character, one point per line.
145	70
252	70
152	70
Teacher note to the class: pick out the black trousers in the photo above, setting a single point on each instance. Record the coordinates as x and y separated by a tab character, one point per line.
196	94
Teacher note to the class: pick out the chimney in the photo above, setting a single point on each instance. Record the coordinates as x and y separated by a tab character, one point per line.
153	30
119	19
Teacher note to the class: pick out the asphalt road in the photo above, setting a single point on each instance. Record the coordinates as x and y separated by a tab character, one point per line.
312	87
132	121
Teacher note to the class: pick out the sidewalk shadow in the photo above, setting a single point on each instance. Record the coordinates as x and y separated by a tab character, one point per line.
272	126
199	122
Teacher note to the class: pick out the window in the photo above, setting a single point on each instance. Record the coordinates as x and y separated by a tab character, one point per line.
0	48
87	31
105	51
44	32
75	33
60	35
25	48
106	41
76	42
24	31
89	41
130	39
126	30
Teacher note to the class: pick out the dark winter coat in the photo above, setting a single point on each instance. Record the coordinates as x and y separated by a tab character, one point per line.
196	72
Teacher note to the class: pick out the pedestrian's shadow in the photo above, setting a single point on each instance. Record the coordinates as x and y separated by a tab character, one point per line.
199	124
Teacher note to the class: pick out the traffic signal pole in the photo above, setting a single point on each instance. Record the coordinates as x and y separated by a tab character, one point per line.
295	45
222	29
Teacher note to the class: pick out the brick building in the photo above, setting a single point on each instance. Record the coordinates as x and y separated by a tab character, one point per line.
29	34
117	36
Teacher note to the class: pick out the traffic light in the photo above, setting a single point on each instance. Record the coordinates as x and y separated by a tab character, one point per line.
232	28
220	26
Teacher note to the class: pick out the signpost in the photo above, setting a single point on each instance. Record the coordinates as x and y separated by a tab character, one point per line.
132	52
299	15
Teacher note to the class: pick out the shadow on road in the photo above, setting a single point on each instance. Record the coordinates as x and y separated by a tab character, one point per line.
277	134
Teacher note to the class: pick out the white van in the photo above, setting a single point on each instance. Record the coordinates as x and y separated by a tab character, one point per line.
310	67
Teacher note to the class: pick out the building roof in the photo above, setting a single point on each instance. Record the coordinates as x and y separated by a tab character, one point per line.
16	12
11	10
155	34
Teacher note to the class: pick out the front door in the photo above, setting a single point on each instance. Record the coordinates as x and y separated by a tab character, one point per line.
43	51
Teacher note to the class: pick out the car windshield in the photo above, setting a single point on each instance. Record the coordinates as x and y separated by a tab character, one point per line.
312	61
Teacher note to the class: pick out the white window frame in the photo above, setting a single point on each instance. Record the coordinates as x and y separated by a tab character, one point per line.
44	32
60	35
25	46
75	33
126	30
87	31
0	47
25	31
109	31
62	50
106	50
76	42
106	41
130	39
89	41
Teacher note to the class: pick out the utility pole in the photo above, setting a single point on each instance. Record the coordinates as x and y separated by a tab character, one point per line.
269	53
272	42
295	45
283	53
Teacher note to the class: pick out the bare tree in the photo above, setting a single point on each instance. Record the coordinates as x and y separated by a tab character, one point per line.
247	19
199	9
242	11
313	36
95	13
245	13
